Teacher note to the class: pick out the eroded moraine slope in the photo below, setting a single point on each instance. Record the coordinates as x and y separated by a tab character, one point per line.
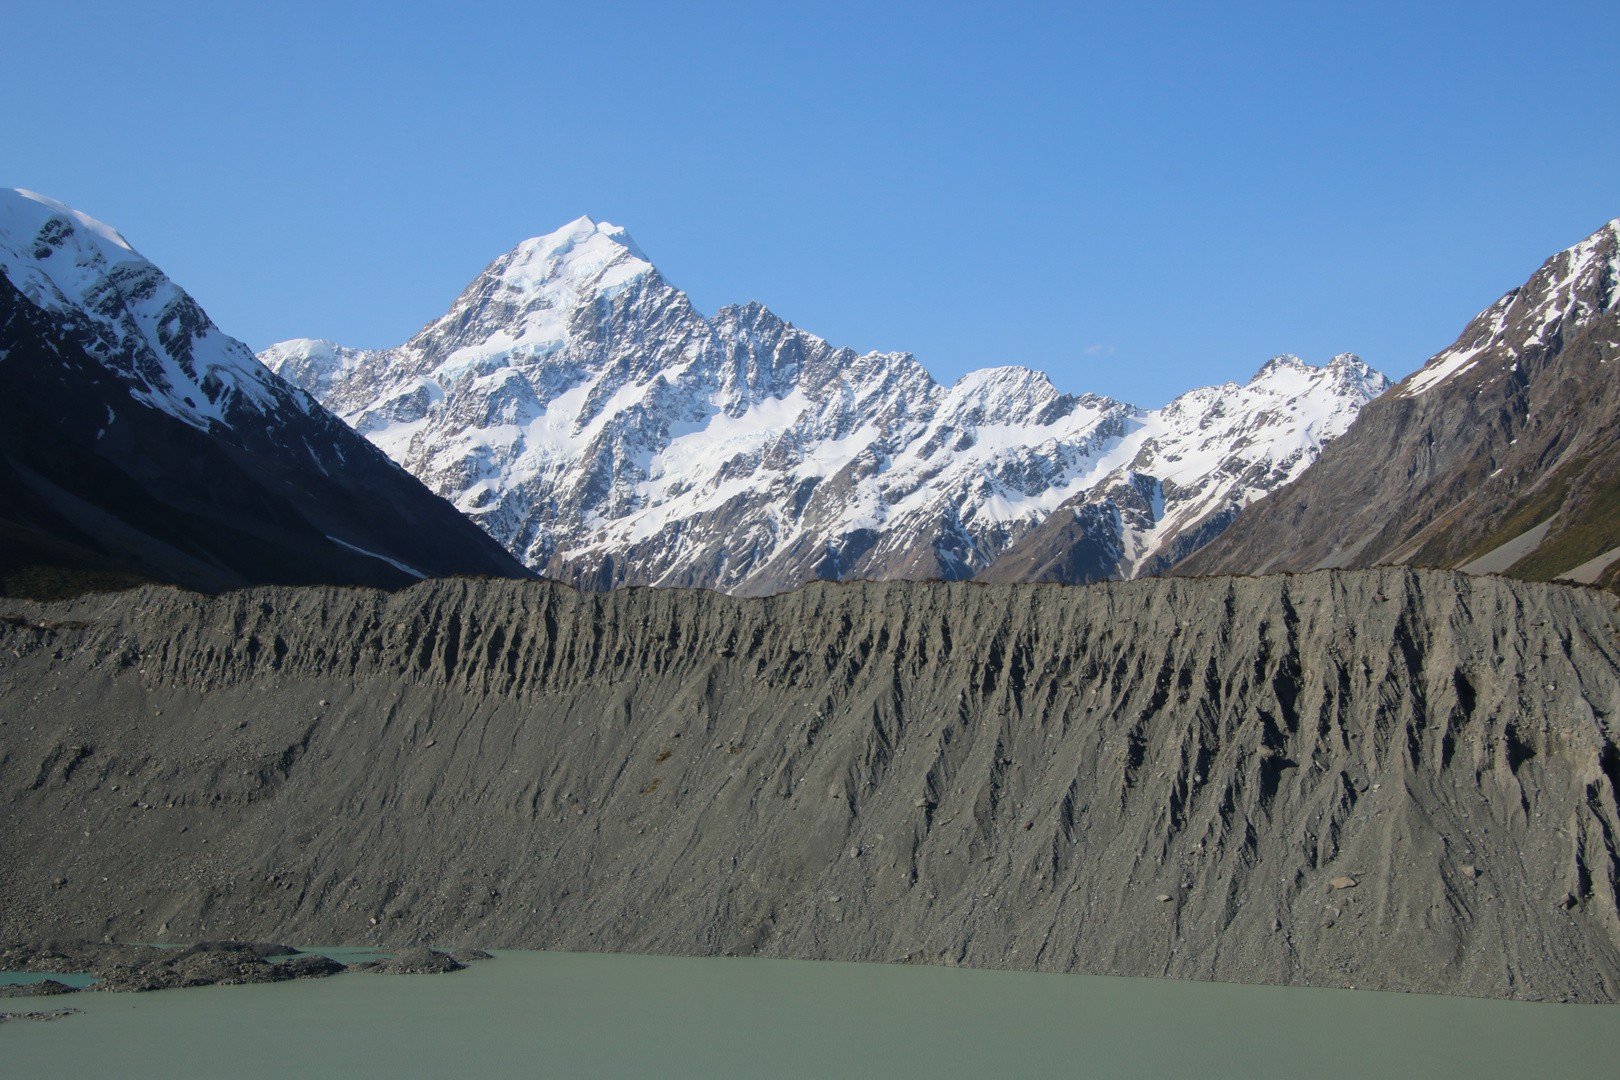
1384	778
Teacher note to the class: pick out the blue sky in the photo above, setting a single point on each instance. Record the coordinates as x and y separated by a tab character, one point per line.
1137	199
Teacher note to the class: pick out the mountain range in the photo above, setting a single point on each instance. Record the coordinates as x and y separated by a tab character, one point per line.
589	418
573	415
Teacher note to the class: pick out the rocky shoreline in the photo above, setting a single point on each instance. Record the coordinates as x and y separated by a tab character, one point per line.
134	968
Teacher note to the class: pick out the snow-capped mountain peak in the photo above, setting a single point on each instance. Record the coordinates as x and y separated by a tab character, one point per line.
146	329
1000	395
577	252
20	217
1561	299
579	408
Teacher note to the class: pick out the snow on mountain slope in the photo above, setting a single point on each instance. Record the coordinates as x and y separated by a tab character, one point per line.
1188	469
1560	301
1219	448
577	406
146	328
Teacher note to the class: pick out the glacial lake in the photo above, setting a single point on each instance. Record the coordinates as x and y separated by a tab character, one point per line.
548	1014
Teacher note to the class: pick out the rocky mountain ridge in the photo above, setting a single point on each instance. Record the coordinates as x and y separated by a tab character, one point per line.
139	440
1498	456
590	419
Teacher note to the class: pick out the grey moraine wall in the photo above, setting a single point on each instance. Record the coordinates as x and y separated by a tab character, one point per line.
1167	777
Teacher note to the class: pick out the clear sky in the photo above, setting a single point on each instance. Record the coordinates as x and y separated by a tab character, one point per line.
1136	198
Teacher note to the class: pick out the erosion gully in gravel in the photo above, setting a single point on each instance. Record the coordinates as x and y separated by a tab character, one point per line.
1387	778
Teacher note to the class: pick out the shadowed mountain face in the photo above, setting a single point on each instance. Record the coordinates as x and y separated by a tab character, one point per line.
1499	456
577	406
139	442
1394	778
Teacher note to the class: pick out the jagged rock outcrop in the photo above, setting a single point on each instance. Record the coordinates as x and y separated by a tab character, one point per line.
137	441
1393	778
577	406
1498	456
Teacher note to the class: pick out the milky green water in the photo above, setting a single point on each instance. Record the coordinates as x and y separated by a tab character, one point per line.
540	1014
22	978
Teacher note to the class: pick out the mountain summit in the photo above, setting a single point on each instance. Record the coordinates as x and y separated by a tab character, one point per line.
145	328
590	419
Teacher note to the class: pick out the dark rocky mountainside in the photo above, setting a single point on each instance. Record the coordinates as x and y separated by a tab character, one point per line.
91	479
1390	778
139	442
1498	456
